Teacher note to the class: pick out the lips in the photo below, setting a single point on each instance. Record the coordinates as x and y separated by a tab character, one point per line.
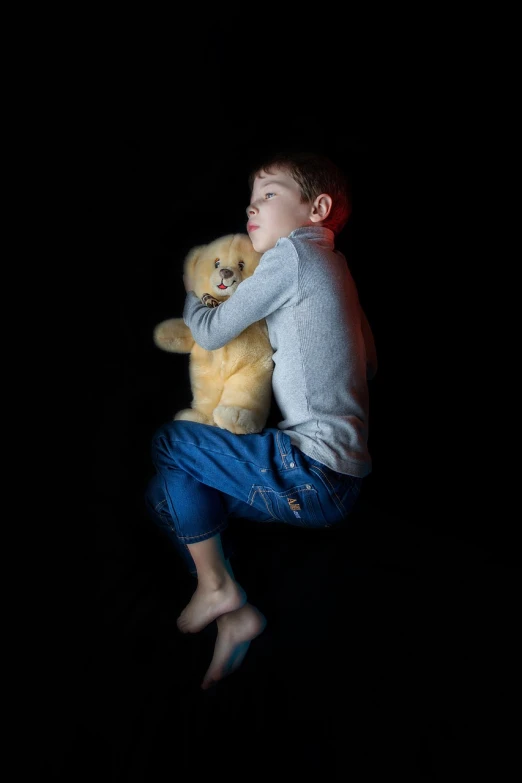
252	227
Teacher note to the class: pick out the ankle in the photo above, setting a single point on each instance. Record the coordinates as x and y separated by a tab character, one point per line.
214	580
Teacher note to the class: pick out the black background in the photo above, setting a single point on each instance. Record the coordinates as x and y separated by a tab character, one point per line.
378	638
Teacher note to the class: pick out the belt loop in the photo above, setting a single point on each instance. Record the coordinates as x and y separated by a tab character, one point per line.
280	445
279	442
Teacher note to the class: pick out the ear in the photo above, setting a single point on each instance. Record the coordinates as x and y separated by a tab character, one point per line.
191	259
321	208
189	267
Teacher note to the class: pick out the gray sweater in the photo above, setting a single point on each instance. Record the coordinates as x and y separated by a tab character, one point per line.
304	289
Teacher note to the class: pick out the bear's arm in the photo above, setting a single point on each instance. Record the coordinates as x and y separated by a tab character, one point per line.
173	335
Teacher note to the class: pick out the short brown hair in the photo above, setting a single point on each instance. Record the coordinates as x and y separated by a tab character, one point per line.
315	174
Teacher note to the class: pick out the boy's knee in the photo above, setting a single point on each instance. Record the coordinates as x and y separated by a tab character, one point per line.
154	493
170	434
162	439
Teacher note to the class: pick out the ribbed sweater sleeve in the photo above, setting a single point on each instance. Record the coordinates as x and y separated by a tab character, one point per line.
272	286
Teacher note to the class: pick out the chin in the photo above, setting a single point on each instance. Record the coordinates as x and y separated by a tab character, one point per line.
258	246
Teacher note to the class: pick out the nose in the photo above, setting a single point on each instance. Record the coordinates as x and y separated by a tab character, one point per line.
225	273
251	210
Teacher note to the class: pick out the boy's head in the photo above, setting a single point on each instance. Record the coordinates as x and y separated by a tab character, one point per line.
290	190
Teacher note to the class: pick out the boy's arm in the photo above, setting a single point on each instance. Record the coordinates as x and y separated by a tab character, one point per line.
369	342
269	288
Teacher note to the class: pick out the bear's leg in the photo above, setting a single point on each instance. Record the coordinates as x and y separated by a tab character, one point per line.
241	421
245	402
189	414
206	384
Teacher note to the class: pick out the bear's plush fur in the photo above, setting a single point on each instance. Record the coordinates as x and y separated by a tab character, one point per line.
231	386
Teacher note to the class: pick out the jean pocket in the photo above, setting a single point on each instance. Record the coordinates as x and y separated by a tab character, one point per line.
297	506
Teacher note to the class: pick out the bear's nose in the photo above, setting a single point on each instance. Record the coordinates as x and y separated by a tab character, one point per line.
225	273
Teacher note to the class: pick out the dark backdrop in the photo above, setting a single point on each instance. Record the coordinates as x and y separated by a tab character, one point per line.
375	637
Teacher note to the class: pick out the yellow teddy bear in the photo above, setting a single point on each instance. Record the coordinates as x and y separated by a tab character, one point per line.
231	386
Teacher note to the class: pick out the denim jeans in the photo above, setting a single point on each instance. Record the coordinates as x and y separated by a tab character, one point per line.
206	476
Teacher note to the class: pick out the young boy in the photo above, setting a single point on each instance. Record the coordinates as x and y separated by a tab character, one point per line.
307	471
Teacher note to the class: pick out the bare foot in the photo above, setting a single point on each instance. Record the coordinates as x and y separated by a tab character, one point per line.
207	604
235	632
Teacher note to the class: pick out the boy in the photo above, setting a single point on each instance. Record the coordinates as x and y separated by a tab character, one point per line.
307	471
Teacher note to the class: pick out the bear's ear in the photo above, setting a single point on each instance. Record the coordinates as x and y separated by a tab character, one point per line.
191	259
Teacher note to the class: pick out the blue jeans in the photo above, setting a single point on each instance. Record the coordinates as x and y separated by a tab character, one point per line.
206	476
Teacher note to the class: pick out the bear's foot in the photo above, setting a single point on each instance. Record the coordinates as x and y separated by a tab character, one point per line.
240	421
190	414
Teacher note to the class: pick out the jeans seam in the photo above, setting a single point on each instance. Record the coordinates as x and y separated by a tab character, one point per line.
206	534
263	493
214	451
160	504
283	455
329	487
165	516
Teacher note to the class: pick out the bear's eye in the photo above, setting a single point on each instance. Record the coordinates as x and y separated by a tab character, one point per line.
241	265
216	263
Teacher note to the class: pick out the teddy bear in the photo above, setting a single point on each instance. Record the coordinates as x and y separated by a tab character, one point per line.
231	386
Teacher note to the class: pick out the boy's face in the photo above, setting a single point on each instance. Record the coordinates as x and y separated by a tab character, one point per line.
275	209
